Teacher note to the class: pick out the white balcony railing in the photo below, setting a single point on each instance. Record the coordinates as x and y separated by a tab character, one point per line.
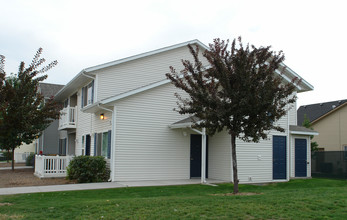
51	166
67	118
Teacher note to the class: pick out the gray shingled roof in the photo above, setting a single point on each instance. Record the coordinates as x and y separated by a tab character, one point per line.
315	111
300	129
48	89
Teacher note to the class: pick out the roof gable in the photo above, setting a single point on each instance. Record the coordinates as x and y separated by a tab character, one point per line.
48	90
88	73
85	73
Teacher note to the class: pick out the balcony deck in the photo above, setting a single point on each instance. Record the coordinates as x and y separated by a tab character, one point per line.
68	118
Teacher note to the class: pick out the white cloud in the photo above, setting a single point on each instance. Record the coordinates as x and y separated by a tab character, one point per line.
80	34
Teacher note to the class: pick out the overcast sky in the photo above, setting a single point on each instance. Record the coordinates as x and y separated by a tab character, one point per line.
80	34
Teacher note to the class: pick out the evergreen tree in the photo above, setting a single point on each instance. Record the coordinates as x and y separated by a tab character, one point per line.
238	91
24	113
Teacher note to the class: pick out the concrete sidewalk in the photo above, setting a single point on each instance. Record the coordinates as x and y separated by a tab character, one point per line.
107	185
16	168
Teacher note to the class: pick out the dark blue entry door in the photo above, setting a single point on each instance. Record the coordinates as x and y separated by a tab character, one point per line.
195	155
279	166
300	157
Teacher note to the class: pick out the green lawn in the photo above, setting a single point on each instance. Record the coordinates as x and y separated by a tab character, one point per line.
298	199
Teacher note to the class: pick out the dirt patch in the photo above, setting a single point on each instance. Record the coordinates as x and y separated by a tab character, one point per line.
238	194
4	216
25	177
5	204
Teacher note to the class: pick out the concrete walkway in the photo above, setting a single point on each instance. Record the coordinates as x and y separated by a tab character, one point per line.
107	185
16	168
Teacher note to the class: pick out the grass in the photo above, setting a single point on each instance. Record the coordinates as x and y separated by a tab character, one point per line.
297	199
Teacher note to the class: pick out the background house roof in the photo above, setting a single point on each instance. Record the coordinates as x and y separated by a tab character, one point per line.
48	89
315	111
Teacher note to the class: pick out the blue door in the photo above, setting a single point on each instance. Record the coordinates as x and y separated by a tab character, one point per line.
279	166
300	157
88	145
195	156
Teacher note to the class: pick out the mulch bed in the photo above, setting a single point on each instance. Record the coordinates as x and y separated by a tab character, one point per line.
25	177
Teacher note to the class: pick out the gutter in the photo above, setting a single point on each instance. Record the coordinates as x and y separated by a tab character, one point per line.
84	74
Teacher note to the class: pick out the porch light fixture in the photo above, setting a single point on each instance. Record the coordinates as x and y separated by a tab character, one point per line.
102	117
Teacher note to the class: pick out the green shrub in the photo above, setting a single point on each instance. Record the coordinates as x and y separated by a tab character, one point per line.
6	155
30	160
88	169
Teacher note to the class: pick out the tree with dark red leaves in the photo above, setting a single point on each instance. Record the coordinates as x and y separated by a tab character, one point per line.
24	113
239	91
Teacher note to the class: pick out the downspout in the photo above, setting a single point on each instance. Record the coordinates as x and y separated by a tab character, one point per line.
203	153
288	147
113	131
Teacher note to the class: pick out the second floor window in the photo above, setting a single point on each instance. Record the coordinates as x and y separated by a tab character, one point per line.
88	94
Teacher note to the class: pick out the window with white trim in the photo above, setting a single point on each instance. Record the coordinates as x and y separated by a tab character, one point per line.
88	94
102	144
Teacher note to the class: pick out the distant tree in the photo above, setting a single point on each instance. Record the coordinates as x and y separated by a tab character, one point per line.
307	124
238	91
24	113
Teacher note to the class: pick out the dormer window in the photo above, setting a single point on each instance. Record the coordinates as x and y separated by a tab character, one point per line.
88	94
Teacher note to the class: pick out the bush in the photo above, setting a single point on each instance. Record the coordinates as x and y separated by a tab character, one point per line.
88	169
7	155
30	160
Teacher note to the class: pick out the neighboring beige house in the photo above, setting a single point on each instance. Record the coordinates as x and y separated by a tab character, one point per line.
123	110
329	119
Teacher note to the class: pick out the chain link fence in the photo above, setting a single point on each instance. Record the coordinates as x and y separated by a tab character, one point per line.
331	164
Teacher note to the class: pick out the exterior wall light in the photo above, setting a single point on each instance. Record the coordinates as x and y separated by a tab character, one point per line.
102	117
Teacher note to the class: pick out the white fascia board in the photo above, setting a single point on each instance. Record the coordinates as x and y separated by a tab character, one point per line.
69	83
296	75
90	108
133	92
304	133
287	79
105	65
181	125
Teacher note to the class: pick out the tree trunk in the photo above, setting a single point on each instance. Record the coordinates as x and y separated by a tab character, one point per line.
233	153
12	159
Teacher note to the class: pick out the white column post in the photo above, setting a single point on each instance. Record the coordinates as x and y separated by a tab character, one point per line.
203	156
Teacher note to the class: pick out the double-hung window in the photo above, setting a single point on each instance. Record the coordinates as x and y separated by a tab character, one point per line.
88	94
102	144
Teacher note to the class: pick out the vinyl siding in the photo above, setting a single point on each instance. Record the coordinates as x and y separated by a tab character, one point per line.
219	157
137	73
90	123
51	138
83	126
145	147
254	160
100	126
332	131
292	113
